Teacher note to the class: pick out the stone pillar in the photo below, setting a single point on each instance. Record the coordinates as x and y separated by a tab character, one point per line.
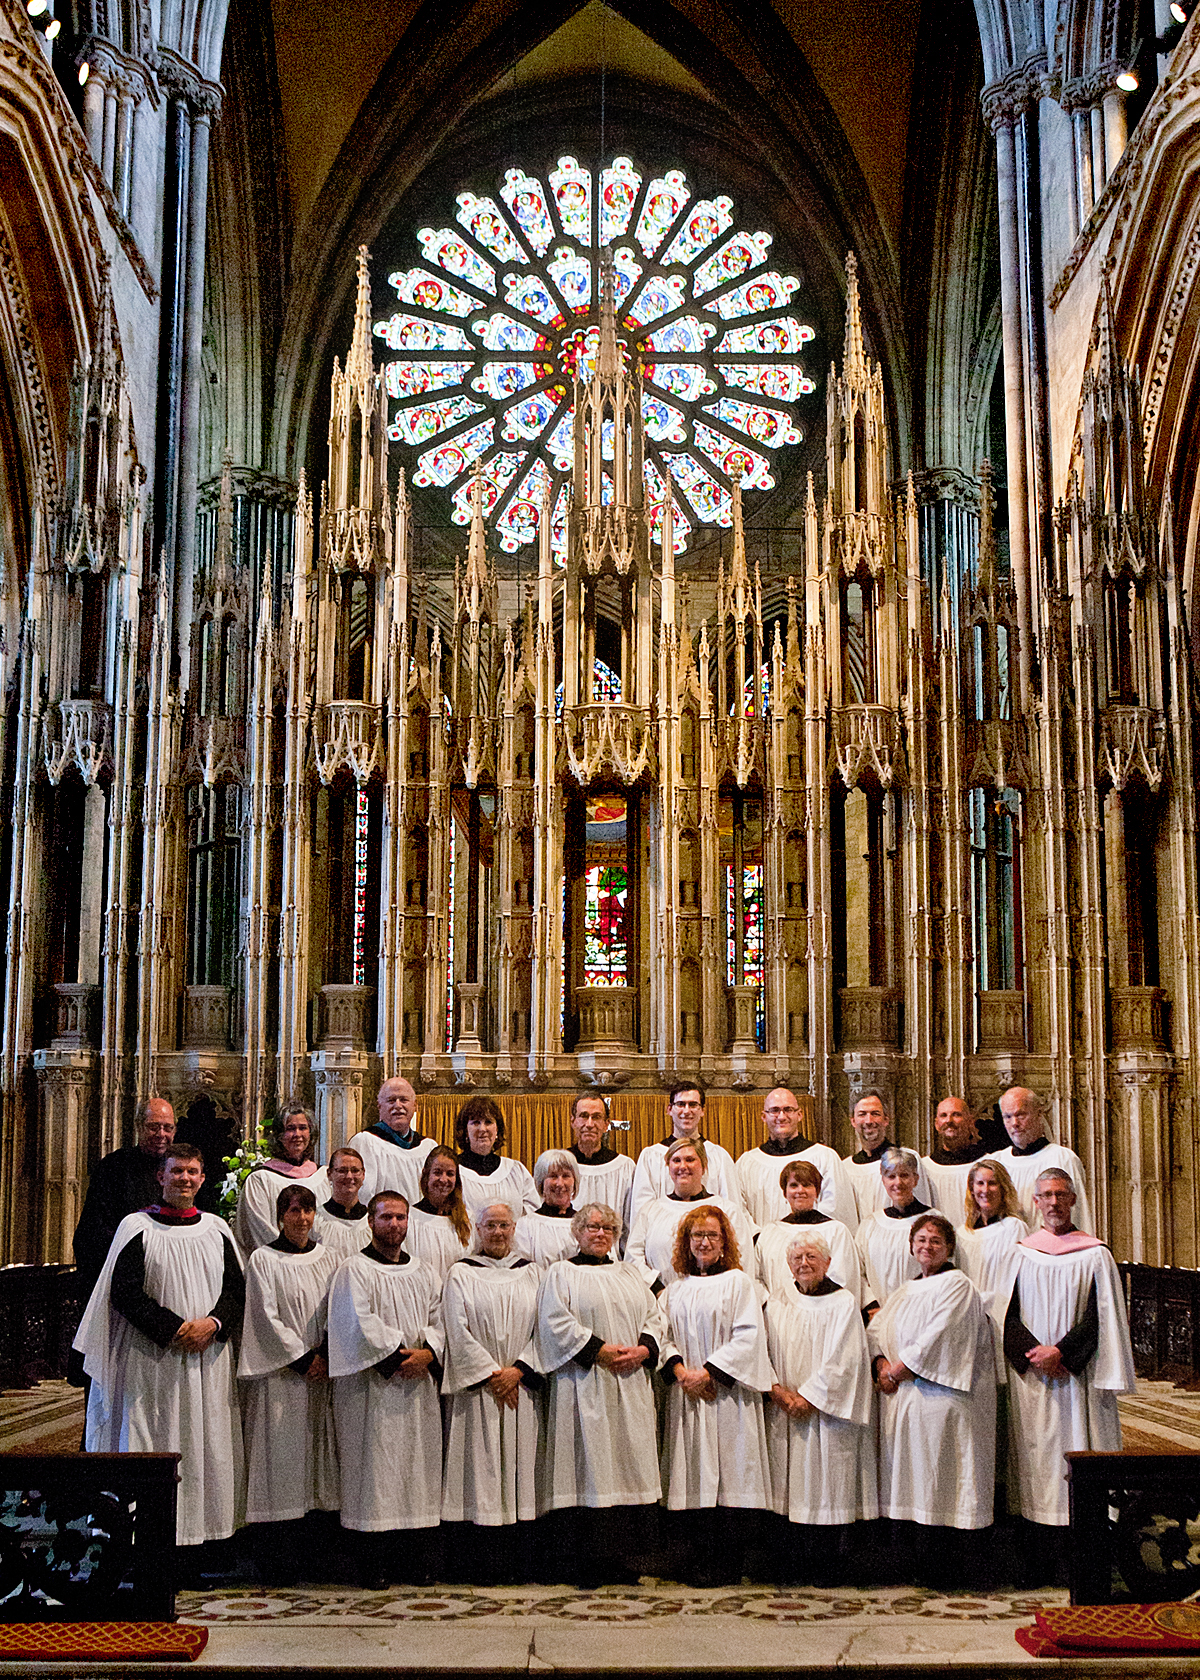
340	1066
468	1055
192	372
67	1086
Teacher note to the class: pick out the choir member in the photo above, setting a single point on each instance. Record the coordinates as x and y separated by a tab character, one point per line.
439	1226
958	1145
1066	1341
605	1175
651	1245
392	1149
494	1418
598	1338
685	1110
715	1363
758	1169
155	1339
820	1443
883	1237
1031	1152
485	1175
291	1456
871	1118
121	1183
341	1223
986	1248
546	1236
385	1343
934	1366
293	1138
800	1183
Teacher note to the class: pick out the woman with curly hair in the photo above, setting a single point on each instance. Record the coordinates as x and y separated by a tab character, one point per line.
715	1362
487	1176
439	1227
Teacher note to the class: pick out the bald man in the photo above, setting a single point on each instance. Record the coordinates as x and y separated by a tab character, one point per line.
758	1169
393	1151
958	1147
124	1182
1031	1152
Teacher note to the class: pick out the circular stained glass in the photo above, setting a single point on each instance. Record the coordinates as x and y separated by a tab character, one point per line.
492	326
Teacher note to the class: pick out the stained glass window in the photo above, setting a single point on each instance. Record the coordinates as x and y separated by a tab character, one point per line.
360	887
753	971
994	908
606	893
490	326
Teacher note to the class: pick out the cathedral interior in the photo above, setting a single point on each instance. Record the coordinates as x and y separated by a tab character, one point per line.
516	586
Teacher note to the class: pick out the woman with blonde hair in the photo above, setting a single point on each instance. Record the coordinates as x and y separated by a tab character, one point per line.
714	1453
987	1242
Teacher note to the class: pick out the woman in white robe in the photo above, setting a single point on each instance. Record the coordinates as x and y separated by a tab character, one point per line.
341	1222
293	1137
545	1236
651	1244
439	1227
800	1181
820	1439
883	1236
486	1175
986	1242
934	1365
493	1415
714	1451
598	1337
291	1455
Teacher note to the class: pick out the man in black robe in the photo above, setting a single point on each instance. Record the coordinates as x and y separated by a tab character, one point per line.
122	1183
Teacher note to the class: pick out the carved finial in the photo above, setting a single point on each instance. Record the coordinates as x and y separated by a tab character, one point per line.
1106	329
607	352
854	361
793	629
987	535
223	560
476	579
360	363
738	575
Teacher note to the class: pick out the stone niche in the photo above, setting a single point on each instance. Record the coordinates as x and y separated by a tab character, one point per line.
870	1017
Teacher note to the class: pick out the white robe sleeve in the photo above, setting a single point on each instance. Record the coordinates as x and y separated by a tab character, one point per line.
743	1353
934	1330
468	1362
560	1335
358	1337
268	1343
1112	1368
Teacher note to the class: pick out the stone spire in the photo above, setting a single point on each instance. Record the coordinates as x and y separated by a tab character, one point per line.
855	370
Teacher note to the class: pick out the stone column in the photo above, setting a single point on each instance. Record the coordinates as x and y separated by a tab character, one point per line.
66	1081
340	1066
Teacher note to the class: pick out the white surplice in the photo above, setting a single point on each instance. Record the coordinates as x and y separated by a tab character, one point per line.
544	1238
866	1181
388	1167
610	1183
652	1181
883	1249
1024	1171
511	1183
1050	1417
489	1311
652	1239
600	1442
389	1429
758	1176
145	1398
770	1257
431	1237
342	1237
291	1454
254	1221
714	1452
989	1256
823	1465
937	1432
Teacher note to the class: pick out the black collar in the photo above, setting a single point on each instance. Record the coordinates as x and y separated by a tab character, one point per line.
1032	1148
825	1287
867	1158
547	1212
284	1245
372	1253
590	1259
701	1195
788	1146
356	1210
910	1212
601	1158
957	1157
484	1165
812	1217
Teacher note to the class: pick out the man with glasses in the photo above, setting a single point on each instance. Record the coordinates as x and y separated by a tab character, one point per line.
392	1150
759	1169
685	1106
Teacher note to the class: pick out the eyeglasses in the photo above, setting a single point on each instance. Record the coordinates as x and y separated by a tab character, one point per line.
597	1230
770	1112
706	1237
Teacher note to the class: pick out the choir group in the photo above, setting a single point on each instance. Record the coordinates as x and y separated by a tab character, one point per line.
684	1364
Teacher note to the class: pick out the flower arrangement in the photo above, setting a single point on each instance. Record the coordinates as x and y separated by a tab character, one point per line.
238	1167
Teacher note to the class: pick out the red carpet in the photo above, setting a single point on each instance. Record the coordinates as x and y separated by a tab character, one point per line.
101	1642
1079	1630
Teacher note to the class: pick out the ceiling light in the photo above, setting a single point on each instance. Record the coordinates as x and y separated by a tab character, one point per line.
53	29
1177	12
1127	81
85	71
37	7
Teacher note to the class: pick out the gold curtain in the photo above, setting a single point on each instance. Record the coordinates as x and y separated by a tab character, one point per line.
540	1120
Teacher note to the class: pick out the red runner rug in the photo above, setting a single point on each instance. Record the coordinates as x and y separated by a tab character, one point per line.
1078	1630
101	1641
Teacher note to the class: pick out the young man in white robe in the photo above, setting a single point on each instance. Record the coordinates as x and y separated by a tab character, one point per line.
1066	1343
871	1119
1031	1152
598	1338
955	1152
156	1343
392	1149
494	1414
605	1175
385	1347
341	1223
820	1443
758	1169
291	1455
685	1110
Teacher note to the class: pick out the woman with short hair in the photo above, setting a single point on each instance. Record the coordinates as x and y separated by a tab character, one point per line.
714	1453
882	1237
546	1236
801	1182
651	1244
293	1140
486	1175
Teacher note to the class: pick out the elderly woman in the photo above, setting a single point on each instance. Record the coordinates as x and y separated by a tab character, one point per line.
819	1439
291	1458
882	1237
715	1362
545	1236
651	1244
439	1228
598	1338
342	1219
934	1366
485	1175
293	1138
493	1419
801	1183
986	1241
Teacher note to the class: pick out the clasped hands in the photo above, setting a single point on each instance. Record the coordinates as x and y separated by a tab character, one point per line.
194	1335
621	1361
